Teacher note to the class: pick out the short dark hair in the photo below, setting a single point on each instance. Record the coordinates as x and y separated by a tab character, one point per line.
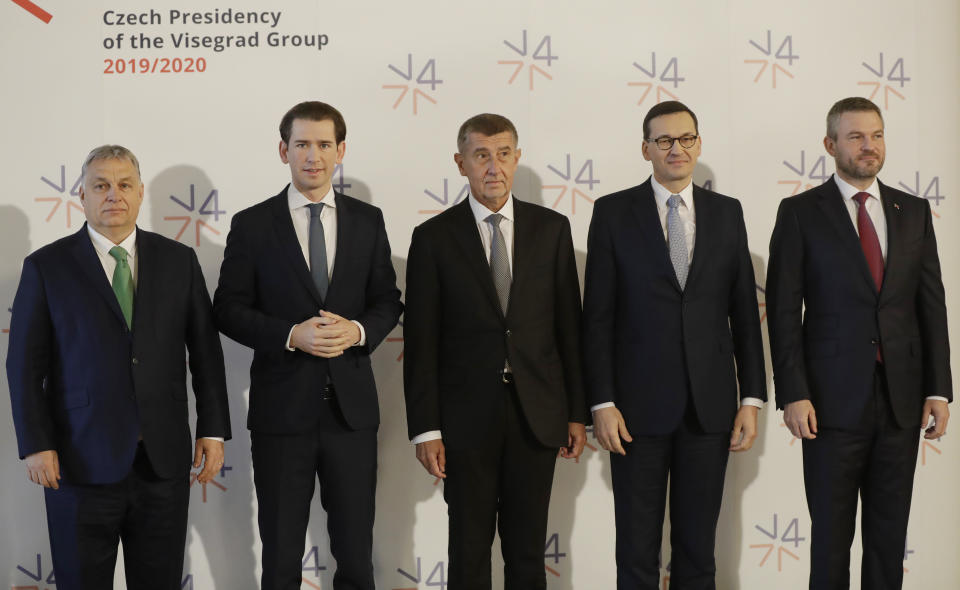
667	108
487	124
848	105
313	110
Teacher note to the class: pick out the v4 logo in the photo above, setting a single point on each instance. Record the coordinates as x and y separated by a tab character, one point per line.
542	54
895	75
773	59
791	534
426	77
42	579
59	184
584	177
669	74
817	172
209	206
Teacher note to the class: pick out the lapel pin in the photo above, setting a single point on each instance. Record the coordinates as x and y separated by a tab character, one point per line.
896	206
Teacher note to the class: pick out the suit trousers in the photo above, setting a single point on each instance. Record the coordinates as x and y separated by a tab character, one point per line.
285	470
144	512
876	460
696	464
500	484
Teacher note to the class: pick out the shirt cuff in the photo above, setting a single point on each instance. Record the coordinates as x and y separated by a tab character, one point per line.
602	406
289	339
216	438
751	401
363	334
426	436
938	398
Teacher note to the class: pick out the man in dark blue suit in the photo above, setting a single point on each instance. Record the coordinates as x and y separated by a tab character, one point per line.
101	324
308	284
671	326
861	355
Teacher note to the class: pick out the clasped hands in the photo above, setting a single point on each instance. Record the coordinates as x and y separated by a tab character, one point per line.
326	335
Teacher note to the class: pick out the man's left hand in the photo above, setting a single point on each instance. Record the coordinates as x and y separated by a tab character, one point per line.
941	414
744	429
337	333
211	451
576	438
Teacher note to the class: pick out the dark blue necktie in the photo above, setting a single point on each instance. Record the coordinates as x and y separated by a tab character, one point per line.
318	250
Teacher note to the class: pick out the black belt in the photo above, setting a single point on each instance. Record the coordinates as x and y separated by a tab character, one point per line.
328	392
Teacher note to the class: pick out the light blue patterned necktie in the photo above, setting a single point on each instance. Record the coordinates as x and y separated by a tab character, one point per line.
499	265
677	240
318	250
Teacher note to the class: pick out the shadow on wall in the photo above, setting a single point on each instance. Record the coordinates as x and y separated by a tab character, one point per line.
221	512
23	500
742	471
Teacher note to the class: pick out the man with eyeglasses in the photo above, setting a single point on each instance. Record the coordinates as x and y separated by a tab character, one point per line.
671	326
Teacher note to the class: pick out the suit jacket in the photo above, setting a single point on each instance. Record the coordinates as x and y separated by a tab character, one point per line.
648	345
456	337
265	288
84	385
828	353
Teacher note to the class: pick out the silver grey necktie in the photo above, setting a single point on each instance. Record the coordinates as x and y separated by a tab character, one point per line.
499	264
677	240
318	250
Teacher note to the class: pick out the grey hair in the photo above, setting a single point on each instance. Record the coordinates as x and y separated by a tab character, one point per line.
109	152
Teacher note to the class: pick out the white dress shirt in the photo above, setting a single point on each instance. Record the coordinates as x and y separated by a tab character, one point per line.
480	214
875	210
102	245
688	217
300	215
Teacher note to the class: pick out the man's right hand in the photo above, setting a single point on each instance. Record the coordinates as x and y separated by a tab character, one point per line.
609	427
314	336
801	419
432	456
43	468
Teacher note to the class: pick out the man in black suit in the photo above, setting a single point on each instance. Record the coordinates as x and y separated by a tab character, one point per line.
97	375
669	330
492	366
308	284
867	362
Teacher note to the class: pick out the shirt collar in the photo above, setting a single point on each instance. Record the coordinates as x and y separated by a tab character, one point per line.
296	199
480	212
661	193
848	190
102	244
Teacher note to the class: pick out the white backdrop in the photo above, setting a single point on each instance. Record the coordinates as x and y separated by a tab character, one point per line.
577	80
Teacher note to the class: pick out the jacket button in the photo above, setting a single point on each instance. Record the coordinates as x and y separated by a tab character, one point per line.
135	361
509	333
874	341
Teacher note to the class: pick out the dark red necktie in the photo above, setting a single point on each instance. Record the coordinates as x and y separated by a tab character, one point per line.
868	240
870	244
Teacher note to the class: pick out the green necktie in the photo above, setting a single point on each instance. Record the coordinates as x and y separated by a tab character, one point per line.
123	284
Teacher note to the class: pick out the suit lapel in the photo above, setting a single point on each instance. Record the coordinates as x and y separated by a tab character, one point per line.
524	232
831	203
289	246
467	238
148	282
645	209
91	267
346	226
704	240
891	211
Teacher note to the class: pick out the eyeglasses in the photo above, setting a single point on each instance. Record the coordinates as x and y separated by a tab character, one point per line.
666	143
